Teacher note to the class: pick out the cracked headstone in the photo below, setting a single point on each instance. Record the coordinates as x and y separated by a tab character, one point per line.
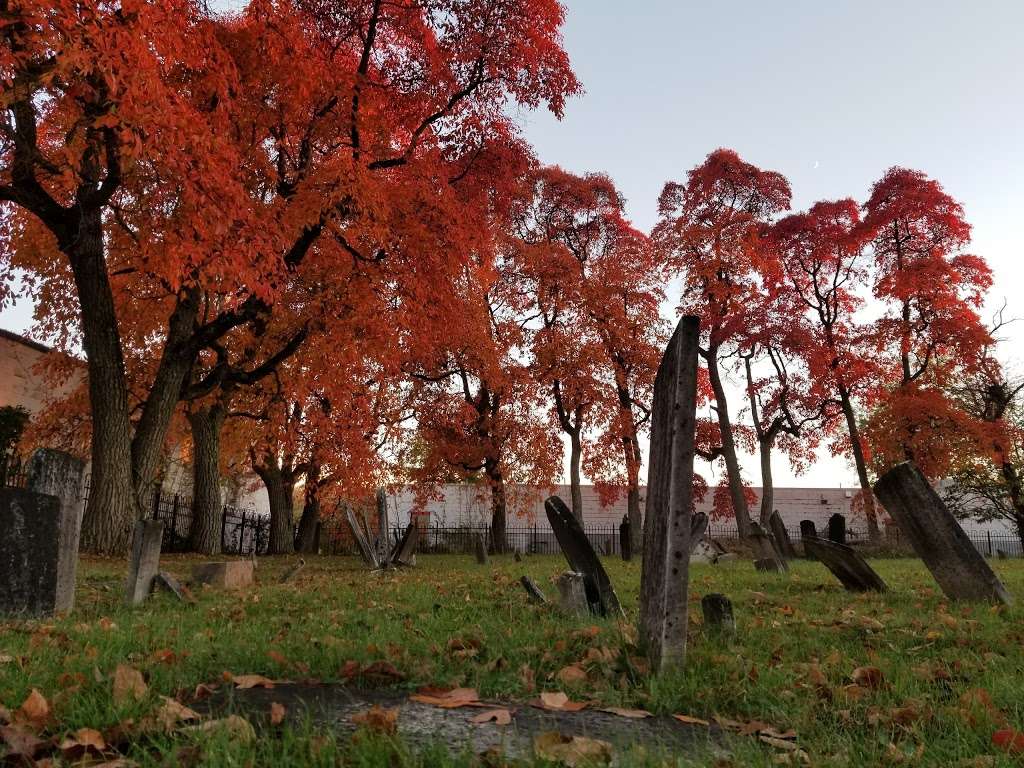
846	564
782	541
937	537
572	594
582	558
666	552
144	562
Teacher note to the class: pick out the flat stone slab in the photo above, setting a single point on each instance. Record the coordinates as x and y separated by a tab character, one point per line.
226	574
421	725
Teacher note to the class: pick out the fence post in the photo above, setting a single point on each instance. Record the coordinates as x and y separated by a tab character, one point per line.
223	525
174	521
989	534
241	533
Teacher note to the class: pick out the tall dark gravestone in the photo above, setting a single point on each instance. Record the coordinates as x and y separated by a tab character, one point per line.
837	528
937	537
782	541
665	575
31	581
625	542
582	558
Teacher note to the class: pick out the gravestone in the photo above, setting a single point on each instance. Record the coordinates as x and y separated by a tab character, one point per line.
532	590
767	557
582	558
782	541
382	526
292	572
56	473
144	562
366	550
32	528
698	528
837	528
572	594
718	616
846	564
664	577
808	531
226	574
937	537
480	548
625	543
404	552
167	582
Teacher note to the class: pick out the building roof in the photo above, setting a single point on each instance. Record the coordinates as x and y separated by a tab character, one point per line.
19	339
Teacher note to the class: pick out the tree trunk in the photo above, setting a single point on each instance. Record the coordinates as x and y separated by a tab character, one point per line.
280	486
867	493
767	483
310	518
732	464
499	538
114	503
1015	489
636	518
204	535
575	455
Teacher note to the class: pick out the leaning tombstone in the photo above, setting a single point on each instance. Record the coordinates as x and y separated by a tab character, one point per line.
846	564
718	616
366	550
837	528
582	558
33	530
767	556
533	592
625	544
937	537
382	526
404	552
56	473
480	548
169	583
698	527
782	541
292	572
572	594
664	577
145	561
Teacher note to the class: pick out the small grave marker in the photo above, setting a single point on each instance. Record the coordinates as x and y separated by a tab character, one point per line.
144	561
572	594
768	558
718	616
225	574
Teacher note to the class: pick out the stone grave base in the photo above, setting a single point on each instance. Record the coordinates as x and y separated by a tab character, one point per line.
422	725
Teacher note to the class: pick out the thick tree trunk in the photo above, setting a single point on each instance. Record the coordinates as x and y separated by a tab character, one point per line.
633	511
576	491
204	534
310	518
732	464
280	486
499	537
114	503
867	493
767	482
1015	489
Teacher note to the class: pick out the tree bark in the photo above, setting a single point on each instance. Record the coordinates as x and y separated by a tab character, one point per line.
204	534
732	464
310	518
499	537
767	482
576	491
867	492
280	486
114	504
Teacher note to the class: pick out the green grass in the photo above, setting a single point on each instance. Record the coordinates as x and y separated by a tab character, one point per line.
452	622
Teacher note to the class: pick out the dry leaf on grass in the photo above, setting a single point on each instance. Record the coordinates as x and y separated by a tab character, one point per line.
21	742
557	701
571	750
496	716
170	713
34	711
634	714
378	719
277	713
235	726
128	684
85	742
1009	740
867	677
253	681
692	720
453	699
571	675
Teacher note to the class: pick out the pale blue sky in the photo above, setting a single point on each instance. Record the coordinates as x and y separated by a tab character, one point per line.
829	93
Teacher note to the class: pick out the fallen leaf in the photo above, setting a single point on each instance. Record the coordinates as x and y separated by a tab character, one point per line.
171	713
778	743
691	720
84	742
558	702
234	725
34	711
128	684
277	713
571	675
21	742
634	714
383	672
1009	740
497	716
245	682
457	697
867	677
571	750
378	719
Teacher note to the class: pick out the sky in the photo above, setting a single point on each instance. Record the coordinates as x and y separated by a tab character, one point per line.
831	94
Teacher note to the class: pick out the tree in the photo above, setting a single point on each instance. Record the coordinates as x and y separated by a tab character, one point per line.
710	229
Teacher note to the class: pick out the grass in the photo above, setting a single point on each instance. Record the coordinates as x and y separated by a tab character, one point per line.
948	675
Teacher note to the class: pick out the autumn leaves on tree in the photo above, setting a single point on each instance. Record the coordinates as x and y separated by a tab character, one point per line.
307	239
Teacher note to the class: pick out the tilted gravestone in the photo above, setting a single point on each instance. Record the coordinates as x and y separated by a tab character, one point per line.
533	592
144	562
718	616
665	575
56	473
582	558
937	537
767	557
572	594
782	541
366	550
382	526
625	542
404	552
480	549
837	528
32	528
846	564
698	528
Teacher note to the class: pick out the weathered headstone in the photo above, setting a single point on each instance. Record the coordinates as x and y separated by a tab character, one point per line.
937	537
582	557
166	581
404	552
707	550
56	473
665	574
783	544
572	594
718	616
30	538
698	528
144	562
292	572
808	531
767	557
366	550
480	549
532	590
837	528
846	564
226	574
382	526
625	543
517	556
